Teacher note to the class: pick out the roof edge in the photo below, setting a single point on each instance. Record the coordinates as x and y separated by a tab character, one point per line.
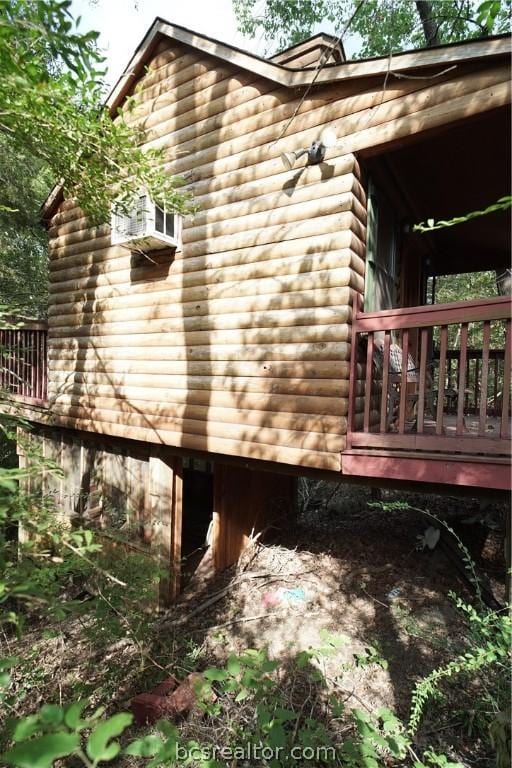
443	55
293	78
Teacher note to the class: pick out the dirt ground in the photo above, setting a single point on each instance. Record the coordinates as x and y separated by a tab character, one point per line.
363	577
341	566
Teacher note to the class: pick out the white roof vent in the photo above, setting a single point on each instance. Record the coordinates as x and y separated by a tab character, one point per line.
147	226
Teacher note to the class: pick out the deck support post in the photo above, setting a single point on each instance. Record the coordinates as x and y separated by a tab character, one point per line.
165	506
246	503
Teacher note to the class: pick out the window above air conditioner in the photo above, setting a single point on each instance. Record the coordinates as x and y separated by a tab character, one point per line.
147	226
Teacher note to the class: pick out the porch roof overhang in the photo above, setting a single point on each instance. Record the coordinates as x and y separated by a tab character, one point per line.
442	174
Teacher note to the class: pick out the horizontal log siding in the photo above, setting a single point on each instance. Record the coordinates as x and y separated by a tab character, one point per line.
240	344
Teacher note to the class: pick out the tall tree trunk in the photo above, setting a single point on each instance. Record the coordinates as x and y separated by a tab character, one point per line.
430	28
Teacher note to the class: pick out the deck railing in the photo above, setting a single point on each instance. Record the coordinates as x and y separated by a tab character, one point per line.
23	361
474	358
426	386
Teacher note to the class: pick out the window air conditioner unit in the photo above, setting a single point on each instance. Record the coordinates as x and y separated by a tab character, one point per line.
147	226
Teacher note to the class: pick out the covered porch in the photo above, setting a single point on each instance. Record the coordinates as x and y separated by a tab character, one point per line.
433	343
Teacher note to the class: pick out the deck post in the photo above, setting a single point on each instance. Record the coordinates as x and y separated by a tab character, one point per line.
247	503
357	302
166	506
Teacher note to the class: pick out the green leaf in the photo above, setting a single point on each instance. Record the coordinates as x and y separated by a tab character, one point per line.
337	641
167	729
146	747
42	752
276	736
26	727
233	666
284	714
72	715
303	659
397	745
215	674
8	662
98	746
243	694
51	714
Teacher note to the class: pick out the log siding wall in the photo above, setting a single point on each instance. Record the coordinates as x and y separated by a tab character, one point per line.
239	343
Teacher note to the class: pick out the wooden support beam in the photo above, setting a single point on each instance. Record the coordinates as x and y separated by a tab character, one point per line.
166	504
246	502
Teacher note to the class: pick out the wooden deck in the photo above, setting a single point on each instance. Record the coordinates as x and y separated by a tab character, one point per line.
442	416
420	419
23	361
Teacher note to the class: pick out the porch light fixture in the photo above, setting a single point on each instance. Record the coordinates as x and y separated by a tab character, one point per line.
315	153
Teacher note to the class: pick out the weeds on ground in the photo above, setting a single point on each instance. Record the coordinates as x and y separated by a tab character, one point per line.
285	709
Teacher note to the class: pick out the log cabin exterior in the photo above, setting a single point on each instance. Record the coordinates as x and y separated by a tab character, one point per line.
247	348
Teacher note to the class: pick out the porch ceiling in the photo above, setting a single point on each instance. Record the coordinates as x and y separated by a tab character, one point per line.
450	173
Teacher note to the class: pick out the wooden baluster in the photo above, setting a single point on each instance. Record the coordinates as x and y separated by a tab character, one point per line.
468	380
21	359
368	383
7	361
442	376
28	367
482	426
462	378
2	359
33	377
476	388
385	384
422	382
495	387
45	359
403	381
449	362
41	366
17	362
23	362
13	352
37	392
505	400
33	359
12	361
2	345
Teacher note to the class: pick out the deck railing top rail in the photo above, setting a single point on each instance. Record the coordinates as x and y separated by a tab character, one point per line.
495	308
15	323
